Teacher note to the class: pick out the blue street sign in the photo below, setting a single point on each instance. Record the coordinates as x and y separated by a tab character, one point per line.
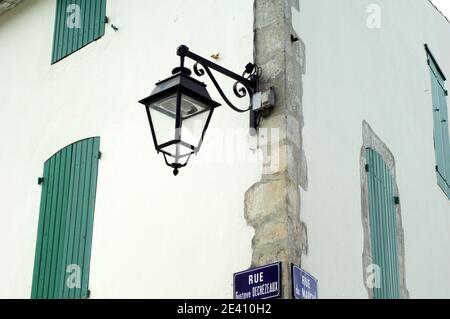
258	283
304	285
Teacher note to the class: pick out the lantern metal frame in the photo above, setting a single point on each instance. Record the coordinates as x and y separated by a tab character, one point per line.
182	84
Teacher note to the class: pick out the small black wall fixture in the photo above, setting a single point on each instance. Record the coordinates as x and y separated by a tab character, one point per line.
180	108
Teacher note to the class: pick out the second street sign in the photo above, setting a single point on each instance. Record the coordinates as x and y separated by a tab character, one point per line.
304	285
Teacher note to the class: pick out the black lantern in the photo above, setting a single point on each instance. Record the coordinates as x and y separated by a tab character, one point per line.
179	110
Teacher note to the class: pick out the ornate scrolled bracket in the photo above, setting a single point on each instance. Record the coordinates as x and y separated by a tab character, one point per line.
246	84
240	92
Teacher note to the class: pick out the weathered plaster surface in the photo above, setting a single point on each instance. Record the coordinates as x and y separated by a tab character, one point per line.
272	206
371	140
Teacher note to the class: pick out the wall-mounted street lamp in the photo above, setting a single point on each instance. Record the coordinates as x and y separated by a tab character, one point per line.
179	109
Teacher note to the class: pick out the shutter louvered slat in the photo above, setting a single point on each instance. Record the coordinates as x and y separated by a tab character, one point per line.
57	225
45	232
90	219
72	213
39	241
74	293
59	278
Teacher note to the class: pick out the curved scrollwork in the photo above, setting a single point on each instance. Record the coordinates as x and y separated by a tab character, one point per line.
240	92
199	71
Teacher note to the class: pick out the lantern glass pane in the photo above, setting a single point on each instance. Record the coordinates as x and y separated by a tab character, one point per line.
178	149
183	160
191	107
192	128
163	120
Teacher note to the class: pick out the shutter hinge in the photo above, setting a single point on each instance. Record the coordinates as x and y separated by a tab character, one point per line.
106	20
88	294
99	155
396	200
366	167
446	93
436	168
40	180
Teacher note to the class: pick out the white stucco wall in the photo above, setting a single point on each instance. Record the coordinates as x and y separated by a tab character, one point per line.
354	73
155	236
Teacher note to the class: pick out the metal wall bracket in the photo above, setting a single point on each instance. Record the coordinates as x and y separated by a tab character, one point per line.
262	103
263	100
245	85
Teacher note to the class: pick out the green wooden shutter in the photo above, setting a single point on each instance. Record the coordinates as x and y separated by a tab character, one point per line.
383	226
68	36
66	221
441	132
